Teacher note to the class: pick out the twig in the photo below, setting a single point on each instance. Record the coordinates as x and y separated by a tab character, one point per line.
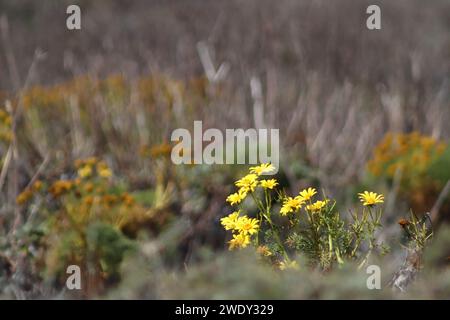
212	74
5	167
437	205
10	57
39	170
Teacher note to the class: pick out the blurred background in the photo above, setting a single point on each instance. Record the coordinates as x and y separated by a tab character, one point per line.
357	109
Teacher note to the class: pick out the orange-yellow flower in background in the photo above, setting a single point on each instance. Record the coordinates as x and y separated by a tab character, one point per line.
370	198
105	173
37	185
59	187
85	171
24	196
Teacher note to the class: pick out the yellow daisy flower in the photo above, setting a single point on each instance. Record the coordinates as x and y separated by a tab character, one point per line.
239	241
317	206
269	184
291	204
247	225
248	183
262	169
229	222
307	194
237	197
370	198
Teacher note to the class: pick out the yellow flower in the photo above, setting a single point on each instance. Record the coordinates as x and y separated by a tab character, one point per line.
269	184
307	194
237	197
288	265
85	172
37	185
317	206
291	204
247	225
229	222
370	198
239	241
88	200
24	196
105	172
91	161
262	169
248	183
59	187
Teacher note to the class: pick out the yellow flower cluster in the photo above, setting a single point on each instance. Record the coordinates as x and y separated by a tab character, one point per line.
86	168
291	205
250	181
60	187
318	213
28	193
90	187
242	227
412	153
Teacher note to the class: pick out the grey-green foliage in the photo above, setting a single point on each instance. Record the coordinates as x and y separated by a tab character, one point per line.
440	168
244	275
109	245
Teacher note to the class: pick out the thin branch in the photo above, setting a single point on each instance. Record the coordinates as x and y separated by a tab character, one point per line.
438	204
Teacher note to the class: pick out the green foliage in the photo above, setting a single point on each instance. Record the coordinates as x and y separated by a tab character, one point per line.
440	168
109	244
